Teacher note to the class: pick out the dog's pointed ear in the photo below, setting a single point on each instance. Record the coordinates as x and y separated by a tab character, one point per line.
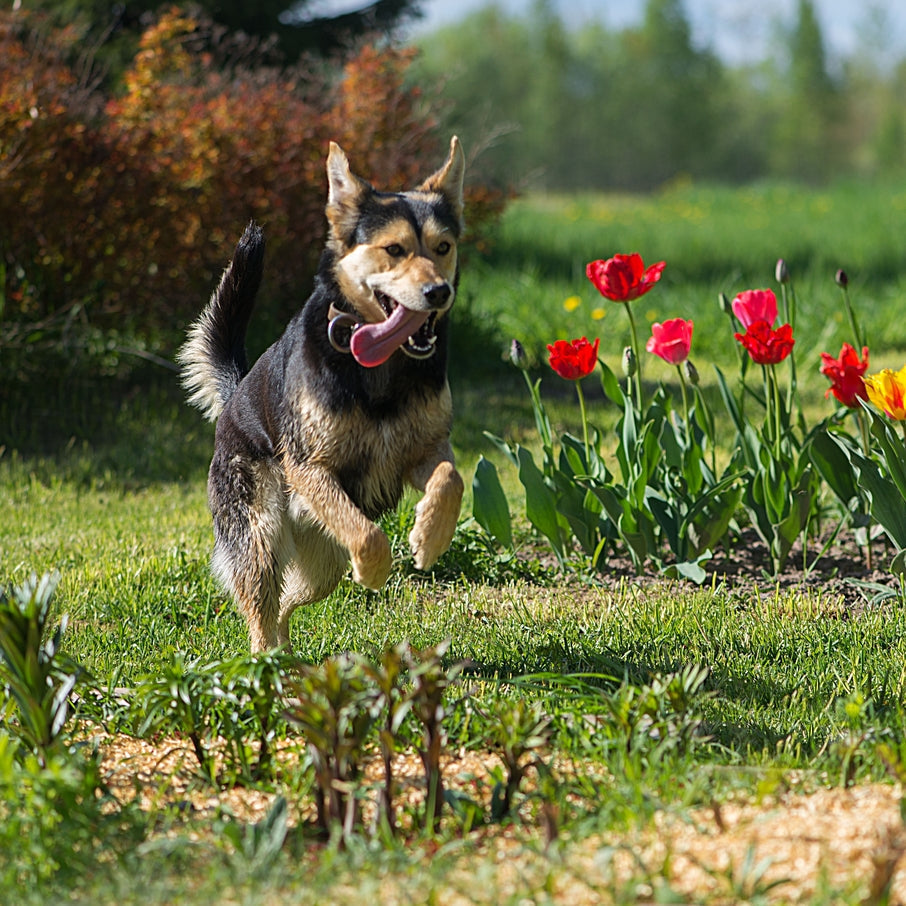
448	179
345	192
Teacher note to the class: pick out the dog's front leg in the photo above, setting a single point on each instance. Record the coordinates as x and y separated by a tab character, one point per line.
319	496
437	513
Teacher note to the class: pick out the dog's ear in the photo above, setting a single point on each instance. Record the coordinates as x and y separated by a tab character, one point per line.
345	193
449	178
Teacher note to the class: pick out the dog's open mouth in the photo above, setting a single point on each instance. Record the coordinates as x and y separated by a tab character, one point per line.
373	344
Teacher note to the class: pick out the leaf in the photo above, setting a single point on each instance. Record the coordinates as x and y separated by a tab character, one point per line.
833	461
540	506
489	503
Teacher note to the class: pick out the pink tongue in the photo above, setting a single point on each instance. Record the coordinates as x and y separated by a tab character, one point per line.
373	344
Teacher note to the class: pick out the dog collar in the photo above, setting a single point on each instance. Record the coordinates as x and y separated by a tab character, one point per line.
340	327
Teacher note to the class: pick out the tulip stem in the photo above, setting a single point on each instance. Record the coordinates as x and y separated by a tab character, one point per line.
853	324
866	446
581	396
686	424
635	352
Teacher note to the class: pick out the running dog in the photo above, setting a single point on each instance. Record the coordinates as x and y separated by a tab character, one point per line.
319	437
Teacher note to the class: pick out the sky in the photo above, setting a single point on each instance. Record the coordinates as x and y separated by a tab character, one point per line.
738	30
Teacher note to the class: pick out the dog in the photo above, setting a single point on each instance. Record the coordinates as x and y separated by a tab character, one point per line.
320	436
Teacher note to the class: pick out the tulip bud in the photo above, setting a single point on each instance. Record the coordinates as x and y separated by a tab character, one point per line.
691	372
725	305
518	356
630	365
841	278
781	272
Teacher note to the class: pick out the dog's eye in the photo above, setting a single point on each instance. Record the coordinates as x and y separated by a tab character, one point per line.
395	250
443	248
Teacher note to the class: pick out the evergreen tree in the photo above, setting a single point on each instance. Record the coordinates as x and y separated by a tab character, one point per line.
117	24
805	120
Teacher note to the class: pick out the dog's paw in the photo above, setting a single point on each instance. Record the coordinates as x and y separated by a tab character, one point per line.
433	530
371	562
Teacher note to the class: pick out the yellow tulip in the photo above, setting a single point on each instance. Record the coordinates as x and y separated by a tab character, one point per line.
887	390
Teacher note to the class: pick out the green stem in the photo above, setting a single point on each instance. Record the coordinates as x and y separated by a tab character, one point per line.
686	424
772	399
581	396
853	324
866	446
638	359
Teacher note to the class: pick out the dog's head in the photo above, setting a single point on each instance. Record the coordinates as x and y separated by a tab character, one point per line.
395	255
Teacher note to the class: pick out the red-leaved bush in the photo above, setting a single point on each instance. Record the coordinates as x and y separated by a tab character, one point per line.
125	209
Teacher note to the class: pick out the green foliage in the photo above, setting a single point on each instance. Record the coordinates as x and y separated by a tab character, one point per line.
32	669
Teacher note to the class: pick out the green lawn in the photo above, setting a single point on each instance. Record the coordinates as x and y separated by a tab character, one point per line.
660	701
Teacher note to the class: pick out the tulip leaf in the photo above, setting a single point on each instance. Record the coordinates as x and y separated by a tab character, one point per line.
540	505
833	461
489	503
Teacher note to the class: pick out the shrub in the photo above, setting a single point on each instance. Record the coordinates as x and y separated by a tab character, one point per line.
126	208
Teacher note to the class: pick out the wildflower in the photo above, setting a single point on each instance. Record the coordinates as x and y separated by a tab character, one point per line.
597	314
887	390
846	375
671	340
841	278
765	345
573	359
755	305
571	303
781	272
623	277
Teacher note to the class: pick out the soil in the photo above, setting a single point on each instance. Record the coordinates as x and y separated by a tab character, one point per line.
840	572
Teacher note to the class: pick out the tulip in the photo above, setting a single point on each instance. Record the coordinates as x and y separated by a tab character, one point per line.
846	375
765	345
671	340
623	277
574	359
755	305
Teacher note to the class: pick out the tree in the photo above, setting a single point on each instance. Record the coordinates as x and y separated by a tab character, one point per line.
808	105
118	25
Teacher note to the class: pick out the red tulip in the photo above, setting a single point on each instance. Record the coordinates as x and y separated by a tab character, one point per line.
671	340
846	375
623	277
573	359
755	305
765	345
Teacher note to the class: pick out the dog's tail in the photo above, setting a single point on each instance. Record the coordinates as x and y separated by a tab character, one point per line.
213	358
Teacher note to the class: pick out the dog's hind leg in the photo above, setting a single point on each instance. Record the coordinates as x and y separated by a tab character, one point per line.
253	542
311	576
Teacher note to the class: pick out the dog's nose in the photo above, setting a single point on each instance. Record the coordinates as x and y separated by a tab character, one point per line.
436	294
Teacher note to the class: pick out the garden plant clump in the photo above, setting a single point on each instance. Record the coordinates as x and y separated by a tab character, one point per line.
681	492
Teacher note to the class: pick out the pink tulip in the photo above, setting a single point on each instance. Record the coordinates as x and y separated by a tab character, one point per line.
671	340
755	305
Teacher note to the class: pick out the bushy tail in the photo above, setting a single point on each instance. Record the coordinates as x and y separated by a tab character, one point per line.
213	358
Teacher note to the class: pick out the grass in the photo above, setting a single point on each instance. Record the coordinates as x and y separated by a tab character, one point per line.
802	692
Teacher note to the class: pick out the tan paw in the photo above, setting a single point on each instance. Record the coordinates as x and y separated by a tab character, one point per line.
371	562
433	531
